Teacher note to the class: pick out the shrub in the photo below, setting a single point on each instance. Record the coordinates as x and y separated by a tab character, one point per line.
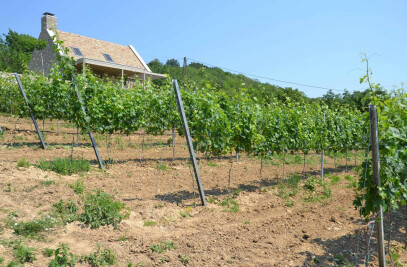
65	166
101	209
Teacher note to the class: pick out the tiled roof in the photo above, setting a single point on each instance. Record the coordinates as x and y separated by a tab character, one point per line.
94	49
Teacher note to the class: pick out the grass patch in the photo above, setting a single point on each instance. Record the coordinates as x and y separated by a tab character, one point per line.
47	182
334	179
64	165
150	223
33	228
230	205
101	209
23	163
162	167
212	164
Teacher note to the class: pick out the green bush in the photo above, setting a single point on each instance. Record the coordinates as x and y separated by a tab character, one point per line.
101	209
64	165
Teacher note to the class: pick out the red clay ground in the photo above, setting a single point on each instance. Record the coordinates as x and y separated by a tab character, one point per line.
273	226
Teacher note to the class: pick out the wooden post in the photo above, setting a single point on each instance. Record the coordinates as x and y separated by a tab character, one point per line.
31	113
90	133
374	139
237	153
189	141
122	79
322	159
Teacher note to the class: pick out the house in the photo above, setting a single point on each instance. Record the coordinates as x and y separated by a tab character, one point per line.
106	59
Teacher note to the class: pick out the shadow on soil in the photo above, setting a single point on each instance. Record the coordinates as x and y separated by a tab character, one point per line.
351	249
184	195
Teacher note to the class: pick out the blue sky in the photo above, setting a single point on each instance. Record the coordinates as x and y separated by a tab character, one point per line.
309	42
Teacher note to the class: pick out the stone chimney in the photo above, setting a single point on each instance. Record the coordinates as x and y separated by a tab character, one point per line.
48	22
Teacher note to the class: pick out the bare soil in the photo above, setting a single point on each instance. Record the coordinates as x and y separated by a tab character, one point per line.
268	229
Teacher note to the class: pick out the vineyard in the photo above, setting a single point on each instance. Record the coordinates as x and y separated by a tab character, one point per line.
260	166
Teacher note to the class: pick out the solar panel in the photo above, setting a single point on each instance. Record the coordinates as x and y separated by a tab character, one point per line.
108	57
77	51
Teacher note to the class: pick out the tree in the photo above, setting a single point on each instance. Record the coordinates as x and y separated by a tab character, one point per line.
156	66
172	63
16	51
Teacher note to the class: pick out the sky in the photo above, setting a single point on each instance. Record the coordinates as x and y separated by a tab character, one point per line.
315	43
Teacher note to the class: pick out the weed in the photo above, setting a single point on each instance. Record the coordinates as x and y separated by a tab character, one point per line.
105	257
67	211
119	143
1	260
101	209
47	182
159	205
150	223
334	179
230	205
211	199
23	163
246	222
139	264
48	252
341	208
289	187
122	238
24	253
8	188
65	166
184	259
183	214
236	192
212	164
33	228
327	192
162	167
310	184
14	264
166	245
78	187
396	255
290	202
31	188
62	257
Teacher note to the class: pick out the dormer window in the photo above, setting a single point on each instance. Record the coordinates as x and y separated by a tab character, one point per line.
108	57
77	51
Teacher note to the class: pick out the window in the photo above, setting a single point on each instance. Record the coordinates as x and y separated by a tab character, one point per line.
108	57
77	51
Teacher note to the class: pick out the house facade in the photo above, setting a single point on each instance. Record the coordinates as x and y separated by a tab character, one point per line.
106	59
